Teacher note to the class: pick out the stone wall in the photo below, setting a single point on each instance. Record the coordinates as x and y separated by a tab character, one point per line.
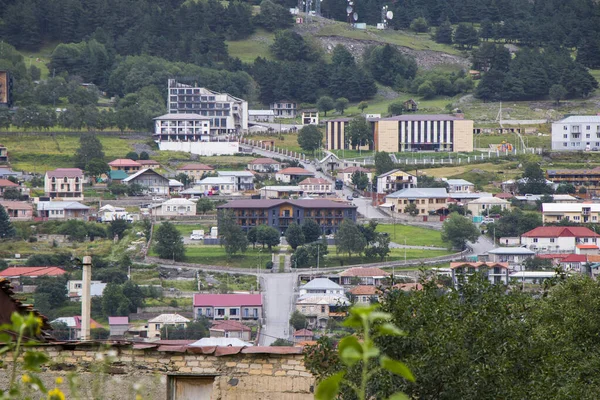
122	371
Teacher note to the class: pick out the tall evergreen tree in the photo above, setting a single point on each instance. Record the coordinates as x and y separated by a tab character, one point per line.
7	230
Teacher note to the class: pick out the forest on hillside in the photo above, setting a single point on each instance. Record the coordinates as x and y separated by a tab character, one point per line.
129	49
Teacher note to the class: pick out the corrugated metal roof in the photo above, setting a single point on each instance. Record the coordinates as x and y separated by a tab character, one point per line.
420	193
579	119
227	300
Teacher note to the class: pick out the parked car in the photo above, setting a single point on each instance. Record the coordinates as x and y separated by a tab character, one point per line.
488	221
355	195
350	198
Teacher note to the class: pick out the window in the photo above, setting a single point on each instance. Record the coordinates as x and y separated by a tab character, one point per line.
322	309
220	312
565	144
233	311
565	128
587	128
565	136
552	240
587	136
535	240
157	327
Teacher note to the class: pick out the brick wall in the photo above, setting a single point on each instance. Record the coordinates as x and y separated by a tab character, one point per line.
117	371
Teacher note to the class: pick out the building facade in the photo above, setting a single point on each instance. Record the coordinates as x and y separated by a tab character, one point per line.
310	117
182	128
177	207
279	192
483	205
460	186
280	214
345	175
227	114
574	212
195	171
316	186
576	133
588	178
228	306
423	133
293	173
495	272
558	239
3	154
426	200
18	210
395	180
264	165
125	164
152	181
285	109
243	180
261	116
64	183
49	210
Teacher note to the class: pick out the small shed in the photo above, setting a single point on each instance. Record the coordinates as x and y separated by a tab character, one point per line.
410	105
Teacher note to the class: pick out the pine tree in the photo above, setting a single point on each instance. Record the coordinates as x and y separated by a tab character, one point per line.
6	228
443	34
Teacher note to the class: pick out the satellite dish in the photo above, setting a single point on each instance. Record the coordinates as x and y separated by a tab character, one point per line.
355	16
348	9
389	15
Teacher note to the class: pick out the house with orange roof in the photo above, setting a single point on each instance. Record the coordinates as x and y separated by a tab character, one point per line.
230	329
496	272
18	210
195	171
302	335
5	185
365	294
153	164
14	274
125	164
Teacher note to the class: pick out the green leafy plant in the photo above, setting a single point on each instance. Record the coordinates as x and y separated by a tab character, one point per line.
361	350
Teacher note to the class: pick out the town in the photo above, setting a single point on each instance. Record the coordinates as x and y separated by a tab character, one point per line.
217	222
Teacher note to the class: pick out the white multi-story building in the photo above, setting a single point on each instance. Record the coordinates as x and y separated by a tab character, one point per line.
181	127
558	239
316	186
64	183
244	180
395	180
578	132
227	114
459	186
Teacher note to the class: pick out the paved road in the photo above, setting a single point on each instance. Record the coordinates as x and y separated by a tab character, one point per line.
483	245
278	296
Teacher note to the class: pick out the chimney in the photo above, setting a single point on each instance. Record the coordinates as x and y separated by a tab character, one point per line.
86	301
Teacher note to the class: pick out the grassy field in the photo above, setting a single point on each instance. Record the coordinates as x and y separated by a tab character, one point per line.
416	41
415	236
287	141
51	152
335	260
98	247
186	229
484	140
40	58
215	255
254	46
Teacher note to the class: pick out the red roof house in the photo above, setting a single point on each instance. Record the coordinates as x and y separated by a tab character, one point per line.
560	231
558	239
31	272
228	306
303	334
230	329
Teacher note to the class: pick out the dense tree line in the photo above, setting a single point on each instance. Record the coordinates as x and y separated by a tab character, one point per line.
530	74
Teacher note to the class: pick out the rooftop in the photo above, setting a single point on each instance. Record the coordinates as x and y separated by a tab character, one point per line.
351	170
195	167
364	271
394	171
16	205
188	117
295	171
221	342
261	112
61	205
365	290
269	203
75	322
458	182
419	193
512	250
31	271
235	173
560	231
320	283
7	183
148	162
124	162
578	119
65	173
569	207
141	172
229	325
489	200
315	181
118	320
227	300
282	188
263	161
169	319
423	117
117	175
303	333
459	264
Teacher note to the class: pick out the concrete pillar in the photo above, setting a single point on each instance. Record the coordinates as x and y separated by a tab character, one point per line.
86	300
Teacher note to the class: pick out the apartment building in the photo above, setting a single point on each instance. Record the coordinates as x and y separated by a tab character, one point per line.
427	200
574	212
281	213
243	180
64	183
413	132
558	239
576	133
496	272
395	180
588	178
285	109
182	127
226	113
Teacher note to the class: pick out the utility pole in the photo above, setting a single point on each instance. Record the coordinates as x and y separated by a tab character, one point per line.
86	301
